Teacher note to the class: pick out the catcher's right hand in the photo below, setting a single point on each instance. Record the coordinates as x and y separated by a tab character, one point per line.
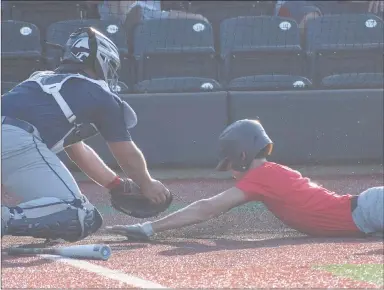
128	198
155	191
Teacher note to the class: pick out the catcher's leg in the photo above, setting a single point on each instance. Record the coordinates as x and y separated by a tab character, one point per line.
52	205
369	213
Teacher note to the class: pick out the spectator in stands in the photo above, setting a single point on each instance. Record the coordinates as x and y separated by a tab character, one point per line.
131	13
92	9
175	5
124	10
137	11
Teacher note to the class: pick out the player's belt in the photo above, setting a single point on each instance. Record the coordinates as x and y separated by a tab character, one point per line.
354	202
20	124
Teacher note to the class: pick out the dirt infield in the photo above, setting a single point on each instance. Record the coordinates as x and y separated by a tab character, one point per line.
245	248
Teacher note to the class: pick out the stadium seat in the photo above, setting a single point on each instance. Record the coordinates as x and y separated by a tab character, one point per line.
229	9
260	45
354	81
7	86
270	83
43	13
6	10
177	85
173	47
59	32
344	44
21	52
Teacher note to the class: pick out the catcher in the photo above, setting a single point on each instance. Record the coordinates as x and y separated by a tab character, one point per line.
54	111
294	199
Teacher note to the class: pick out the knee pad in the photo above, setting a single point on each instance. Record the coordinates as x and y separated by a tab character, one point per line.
52	218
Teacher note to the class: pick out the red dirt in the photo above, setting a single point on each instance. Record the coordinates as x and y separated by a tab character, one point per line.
243	250
36	272
228	263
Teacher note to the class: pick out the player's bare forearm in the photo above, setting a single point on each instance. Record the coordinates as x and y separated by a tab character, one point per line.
201	210
90	163
131	161
194	213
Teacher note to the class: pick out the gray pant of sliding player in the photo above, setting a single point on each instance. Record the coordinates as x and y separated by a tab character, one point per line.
369	213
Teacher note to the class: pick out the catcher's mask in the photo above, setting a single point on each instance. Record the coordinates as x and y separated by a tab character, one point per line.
91	48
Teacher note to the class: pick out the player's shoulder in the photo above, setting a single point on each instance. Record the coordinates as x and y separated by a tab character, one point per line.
283	169
93	88
270	170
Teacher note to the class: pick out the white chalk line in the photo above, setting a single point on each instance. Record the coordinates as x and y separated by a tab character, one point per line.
105	272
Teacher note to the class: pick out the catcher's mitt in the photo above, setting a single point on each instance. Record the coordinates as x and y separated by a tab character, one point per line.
128	199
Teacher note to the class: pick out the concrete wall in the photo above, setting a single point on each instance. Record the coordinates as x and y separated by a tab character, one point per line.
321	127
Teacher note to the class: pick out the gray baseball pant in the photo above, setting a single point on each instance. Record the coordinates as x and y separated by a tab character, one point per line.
48	192
31	171
369	213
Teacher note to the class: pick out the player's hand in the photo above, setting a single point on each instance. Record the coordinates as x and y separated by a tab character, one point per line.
138	231
155	191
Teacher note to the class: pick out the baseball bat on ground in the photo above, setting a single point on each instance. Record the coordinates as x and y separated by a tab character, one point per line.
92	251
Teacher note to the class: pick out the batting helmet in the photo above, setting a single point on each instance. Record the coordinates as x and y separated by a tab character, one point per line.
92	49
240	143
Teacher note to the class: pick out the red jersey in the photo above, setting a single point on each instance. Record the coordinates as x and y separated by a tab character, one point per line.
299	203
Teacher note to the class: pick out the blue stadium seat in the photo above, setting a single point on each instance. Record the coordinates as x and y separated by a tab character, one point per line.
6	10
217	12
344	44
175	47
270	83
260	45
21	52
178	85
354	81
59	32
43	13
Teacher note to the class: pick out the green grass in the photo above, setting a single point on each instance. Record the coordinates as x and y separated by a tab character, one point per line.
372	273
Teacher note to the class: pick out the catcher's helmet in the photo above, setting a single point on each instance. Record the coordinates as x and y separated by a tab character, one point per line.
243	136
91	48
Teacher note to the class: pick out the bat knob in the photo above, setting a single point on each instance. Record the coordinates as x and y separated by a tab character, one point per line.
104	250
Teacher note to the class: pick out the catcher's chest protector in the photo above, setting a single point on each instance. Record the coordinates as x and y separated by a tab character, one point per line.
51	83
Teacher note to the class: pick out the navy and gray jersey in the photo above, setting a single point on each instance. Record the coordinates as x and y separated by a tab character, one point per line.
92	107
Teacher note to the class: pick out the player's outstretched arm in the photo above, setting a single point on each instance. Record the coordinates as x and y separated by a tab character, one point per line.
201	210
90	163
194	213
